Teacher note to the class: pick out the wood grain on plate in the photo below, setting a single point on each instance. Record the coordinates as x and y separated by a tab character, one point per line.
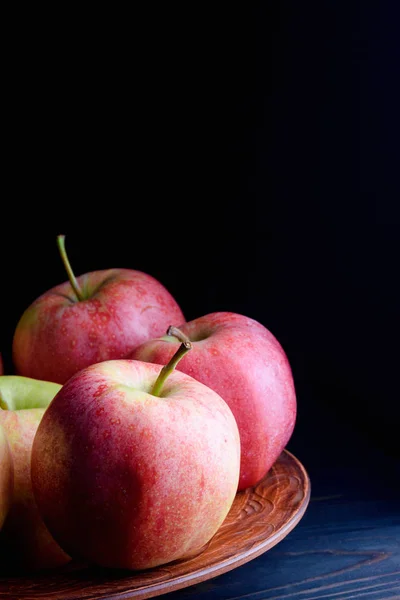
260	517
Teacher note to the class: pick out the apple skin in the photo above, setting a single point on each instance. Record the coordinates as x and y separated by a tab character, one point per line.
126	479
245	364
25	542
57	335
6	477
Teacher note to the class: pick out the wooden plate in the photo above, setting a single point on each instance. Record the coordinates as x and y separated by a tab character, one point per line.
260	517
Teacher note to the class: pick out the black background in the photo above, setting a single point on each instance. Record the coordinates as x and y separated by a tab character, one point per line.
247	158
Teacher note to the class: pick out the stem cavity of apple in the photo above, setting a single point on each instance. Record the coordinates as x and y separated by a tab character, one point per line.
19	393
72	279
169	367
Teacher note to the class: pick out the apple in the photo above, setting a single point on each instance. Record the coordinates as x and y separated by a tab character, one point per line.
98	316
6	477
131	470
25	540
244	363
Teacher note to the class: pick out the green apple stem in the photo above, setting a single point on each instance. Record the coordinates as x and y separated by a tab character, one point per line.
72	279
168	368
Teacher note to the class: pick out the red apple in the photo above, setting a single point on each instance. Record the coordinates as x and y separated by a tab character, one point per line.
6	477
244	363
24	540
99	316
126	476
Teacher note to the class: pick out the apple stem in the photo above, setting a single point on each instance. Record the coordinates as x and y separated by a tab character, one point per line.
168	368
175	332
72	279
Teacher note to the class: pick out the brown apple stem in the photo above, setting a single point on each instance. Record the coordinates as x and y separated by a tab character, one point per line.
72	279
175	332
168	368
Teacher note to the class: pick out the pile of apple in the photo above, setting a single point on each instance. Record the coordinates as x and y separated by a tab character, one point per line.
126	432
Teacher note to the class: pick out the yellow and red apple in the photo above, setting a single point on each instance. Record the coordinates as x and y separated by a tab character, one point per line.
243	362
98	316
6	477
25	541
132	473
